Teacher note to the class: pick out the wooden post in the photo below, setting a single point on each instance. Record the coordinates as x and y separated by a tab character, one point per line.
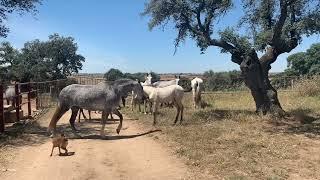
37	97
17	101
29	100
1	110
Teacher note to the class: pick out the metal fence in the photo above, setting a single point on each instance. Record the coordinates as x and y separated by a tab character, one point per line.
28	99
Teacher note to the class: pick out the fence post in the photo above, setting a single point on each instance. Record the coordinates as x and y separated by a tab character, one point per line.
29	99
37	97
17	101
1	110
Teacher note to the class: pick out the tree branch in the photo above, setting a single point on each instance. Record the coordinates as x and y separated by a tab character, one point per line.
279	25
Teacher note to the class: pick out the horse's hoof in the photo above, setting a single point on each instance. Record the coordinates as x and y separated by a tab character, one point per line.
118	131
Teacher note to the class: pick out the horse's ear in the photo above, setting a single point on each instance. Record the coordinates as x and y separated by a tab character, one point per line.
138	80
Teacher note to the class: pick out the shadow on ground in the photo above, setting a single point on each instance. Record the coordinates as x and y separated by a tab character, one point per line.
300	122
117	137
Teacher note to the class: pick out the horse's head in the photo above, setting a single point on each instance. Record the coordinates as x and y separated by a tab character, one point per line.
137	90
148	79
177	78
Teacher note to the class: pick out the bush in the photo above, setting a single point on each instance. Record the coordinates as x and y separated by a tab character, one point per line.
308	87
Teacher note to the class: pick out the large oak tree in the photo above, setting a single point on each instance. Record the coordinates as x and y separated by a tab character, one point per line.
275	26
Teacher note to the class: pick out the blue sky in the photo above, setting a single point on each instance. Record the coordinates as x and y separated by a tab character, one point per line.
112	34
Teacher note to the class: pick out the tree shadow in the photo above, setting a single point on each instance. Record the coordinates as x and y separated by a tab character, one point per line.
117	137
300	122
210	115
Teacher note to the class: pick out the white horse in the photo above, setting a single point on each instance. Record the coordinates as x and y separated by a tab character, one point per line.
172	93
167	83
196	91
10	95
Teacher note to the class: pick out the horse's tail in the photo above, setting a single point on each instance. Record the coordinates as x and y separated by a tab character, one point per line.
55	118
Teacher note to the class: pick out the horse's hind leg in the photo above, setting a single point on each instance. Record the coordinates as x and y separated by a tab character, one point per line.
123	99
117	112
73	117
181	111
178	111
84	116
89	112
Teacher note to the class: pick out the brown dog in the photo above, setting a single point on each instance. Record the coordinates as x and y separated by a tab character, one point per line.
60	142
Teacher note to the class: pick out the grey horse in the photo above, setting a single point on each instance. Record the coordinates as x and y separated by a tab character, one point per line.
103	97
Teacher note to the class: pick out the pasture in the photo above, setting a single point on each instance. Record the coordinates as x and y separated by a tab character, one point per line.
228	140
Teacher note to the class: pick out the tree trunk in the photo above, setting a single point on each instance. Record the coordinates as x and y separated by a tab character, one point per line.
255	72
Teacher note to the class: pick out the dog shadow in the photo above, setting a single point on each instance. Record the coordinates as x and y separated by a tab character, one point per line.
67	154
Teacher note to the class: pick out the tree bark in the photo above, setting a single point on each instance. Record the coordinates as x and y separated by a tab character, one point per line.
255	72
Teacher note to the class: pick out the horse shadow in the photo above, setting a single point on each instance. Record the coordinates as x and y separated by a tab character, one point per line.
116	137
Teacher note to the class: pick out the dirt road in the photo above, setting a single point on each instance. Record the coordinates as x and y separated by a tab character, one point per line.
131	155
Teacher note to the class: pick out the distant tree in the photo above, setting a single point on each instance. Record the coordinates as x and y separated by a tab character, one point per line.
113	74
9	6
273	27
305	63
142	76
9	58
56	58
41	60
222	81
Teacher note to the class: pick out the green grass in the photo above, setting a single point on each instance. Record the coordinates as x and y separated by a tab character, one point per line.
228	140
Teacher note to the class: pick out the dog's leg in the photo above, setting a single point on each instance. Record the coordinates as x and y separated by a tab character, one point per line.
52	150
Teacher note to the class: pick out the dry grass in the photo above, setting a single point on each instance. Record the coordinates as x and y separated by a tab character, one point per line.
308	87
228	140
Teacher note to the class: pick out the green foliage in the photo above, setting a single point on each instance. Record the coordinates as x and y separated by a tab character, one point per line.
185	83
38	60
305	63
223	81
114	74
9	6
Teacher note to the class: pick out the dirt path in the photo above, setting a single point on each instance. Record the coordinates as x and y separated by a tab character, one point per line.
129	156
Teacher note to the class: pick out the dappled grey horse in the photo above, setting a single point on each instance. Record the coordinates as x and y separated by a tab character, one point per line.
103	97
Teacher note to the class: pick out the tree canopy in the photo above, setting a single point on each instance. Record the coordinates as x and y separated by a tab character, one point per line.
38	60
9	6
114	74
276	23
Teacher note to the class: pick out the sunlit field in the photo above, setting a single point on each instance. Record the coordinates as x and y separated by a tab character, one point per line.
228	140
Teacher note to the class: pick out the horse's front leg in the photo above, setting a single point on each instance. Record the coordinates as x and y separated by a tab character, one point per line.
155	110
117	112
73	117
